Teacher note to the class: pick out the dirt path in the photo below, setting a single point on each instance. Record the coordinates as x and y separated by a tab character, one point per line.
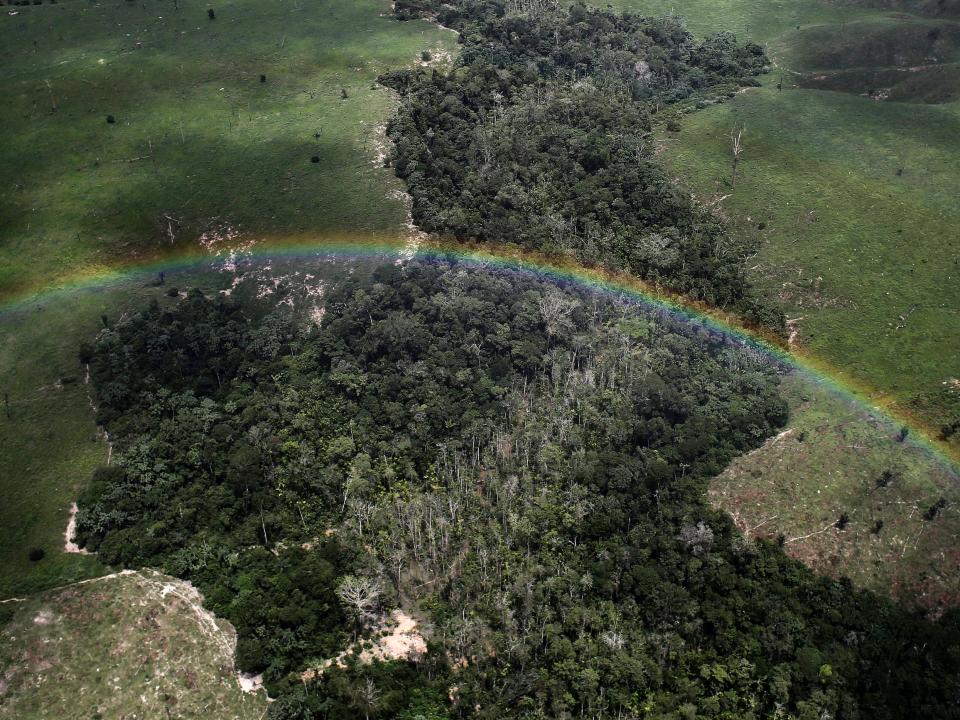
69	546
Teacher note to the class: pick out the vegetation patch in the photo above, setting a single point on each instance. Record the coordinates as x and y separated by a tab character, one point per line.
126	643
836	461
525	471
541	138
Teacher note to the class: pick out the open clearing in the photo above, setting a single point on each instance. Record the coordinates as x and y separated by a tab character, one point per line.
831	461
853	198
196	139
134	645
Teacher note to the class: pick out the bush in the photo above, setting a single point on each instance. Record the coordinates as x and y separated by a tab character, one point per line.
673	126
36	554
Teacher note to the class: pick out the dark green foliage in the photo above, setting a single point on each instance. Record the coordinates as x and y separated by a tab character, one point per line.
525	465
37	554
934	510
886	477
541	137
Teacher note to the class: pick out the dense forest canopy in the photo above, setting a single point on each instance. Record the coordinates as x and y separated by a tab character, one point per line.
522	466
540	136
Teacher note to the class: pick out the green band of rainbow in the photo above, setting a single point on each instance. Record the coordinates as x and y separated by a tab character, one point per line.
551	267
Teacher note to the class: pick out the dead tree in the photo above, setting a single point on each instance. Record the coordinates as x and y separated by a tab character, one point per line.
736	147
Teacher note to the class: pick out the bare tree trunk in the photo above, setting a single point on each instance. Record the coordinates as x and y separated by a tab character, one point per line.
736	147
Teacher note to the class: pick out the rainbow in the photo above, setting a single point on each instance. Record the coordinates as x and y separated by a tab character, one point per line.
556	268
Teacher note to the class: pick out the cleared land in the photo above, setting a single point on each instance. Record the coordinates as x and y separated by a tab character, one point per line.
853	197
197	140
837	459
137	645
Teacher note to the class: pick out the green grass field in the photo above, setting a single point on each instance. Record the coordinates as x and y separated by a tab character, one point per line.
198	140
852	199
217	147
103	650
831	460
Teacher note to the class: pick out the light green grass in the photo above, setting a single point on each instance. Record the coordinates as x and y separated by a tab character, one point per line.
848	245
135	645
754	20
198	138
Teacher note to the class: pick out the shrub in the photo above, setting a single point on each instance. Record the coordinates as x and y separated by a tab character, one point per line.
36	554
934	510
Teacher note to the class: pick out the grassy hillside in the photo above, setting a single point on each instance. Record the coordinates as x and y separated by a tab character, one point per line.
102	650
758	20
197	138
836	459
854	198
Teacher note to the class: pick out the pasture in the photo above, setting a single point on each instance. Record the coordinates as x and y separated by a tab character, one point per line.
131	128
848	179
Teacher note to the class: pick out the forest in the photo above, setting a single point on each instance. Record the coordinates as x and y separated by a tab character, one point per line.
540	137
521	465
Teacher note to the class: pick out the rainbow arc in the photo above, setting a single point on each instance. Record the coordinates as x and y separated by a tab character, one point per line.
556	268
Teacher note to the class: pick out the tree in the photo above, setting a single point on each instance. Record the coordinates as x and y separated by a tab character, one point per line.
736	147
366	698
361	596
